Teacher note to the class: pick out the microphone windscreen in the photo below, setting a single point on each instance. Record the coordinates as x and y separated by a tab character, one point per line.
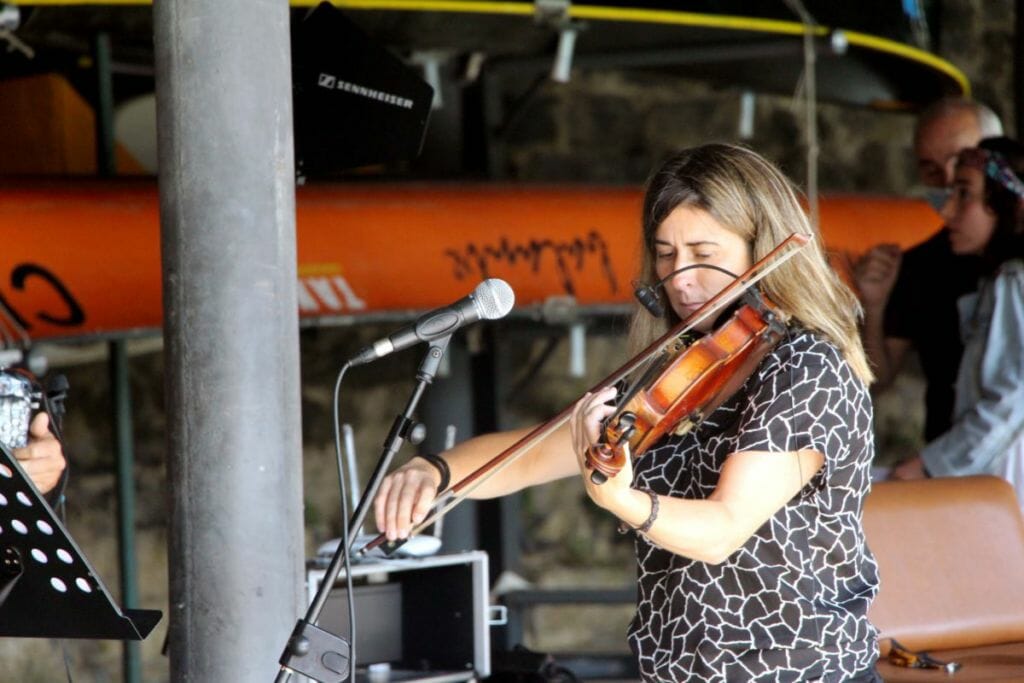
648	298
494	298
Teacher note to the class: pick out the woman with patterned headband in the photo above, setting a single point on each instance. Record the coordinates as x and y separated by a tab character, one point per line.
985	215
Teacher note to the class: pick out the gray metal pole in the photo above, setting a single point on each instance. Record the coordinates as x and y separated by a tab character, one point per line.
227	209
121	395
106	164
120	386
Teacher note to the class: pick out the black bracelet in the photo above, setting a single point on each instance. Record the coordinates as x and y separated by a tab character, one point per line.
646	526
442	467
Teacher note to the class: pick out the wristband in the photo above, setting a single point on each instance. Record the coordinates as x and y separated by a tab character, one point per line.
442	467
646	526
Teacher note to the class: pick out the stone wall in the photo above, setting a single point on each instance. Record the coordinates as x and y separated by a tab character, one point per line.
601	127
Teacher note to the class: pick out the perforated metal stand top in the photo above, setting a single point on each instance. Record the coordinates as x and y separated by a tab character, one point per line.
47	587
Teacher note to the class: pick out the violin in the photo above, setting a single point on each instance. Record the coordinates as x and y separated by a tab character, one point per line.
680	383
687	383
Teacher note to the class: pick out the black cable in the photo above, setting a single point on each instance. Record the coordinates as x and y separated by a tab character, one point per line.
52	400
649	294
520	106
527	376
67	662
344	523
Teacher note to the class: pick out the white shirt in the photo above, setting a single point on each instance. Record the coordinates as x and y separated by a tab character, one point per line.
987	436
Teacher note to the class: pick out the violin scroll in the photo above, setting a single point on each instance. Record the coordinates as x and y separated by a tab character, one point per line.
607	457
604	462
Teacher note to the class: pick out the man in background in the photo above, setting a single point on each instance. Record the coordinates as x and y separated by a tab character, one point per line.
910	299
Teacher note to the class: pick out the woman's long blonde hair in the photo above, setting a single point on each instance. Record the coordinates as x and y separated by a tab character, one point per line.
748	195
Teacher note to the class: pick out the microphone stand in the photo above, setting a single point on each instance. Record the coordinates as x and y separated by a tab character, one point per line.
321	655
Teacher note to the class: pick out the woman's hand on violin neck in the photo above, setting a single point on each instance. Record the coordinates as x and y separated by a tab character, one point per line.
405	497
586	421
586	426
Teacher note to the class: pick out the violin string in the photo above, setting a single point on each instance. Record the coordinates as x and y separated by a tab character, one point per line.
460	491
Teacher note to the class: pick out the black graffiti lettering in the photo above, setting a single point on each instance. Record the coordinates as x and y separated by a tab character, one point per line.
569	257
15	317
75	315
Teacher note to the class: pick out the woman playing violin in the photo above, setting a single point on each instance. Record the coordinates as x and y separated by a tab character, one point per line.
751	557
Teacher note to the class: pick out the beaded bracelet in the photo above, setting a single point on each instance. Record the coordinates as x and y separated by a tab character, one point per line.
646	526
442	467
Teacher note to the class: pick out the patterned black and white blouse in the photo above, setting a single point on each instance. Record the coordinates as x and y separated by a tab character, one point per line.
791	604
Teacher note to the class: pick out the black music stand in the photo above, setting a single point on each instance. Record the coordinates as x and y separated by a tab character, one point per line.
47	587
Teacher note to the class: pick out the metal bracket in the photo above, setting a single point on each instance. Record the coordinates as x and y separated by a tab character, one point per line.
431	61
10	17
497	615
551	12
10	20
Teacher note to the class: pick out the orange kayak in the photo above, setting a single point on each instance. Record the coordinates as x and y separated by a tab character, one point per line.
82	259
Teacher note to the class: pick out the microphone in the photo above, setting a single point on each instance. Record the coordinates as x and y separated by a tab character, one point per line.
647	294
492	299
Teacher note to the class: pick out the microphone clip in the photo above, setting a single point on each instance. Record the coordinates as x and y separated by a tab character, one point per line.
432	360
648	297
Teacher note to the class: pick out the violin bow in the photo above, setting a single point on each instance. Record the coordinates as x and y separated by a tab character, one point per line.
459	491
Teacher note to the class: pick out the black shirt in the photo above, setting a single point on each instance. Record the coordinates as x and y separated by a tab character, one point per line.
922	309
791	603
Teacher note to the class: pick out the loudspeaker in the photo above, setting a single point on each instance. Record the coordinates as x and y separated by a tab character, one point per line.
355	103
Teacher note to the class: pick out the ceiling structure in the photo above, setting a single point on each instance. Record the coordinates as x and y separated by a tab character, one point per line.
871	55
757	46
